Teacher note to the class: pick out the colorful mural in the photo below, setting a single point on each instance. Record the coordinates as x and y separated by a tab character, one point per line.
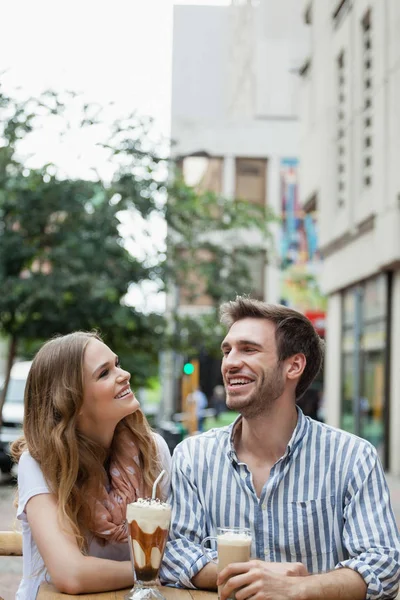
299	257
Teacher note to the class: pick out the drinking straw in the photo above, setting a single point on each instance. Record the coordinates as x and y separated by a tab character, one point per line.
153	495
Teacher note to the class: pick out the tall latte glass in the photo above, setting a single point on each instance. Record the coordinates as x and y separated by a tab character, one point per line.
148	527
233	545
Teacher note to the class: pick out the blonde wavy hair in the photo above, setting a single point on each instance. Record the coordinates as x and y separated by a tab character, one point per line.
70	461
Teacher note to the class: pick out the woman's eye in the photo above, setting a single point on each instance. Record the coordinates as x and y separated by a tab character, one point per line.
118	363
104	373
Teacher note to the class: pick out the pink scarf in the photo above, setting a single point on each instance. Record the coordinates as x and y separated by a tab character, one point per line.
108	509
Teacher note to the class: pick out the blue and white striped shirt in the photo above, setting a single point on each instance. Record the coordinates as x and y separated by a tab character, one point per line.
325	504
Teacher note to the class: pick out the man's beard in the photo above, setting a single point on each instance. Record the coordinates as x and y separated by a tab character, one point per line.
269	389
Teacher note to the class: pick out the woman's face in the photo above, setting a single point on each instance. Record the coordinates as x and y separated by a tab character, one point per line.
107	396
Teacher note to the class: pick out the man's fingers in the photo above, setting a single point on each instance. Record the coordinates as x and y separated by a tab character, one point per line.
249	592
246	580
289	569
234	569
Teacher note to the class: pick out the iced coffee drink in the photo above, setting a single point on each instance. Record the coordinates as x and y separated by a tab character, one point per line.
233	546
148	527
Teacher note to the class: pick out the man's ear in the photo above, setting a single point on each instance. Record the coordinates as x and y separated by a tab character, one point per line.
295	366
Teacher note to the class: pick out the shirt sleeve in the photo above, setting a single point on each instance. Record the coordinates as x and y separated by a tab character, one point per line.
165	460
31	482
184	557
370	531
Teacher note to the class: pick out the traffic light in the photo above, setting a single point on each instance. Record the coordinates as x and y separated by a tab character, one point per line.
188	368
189	383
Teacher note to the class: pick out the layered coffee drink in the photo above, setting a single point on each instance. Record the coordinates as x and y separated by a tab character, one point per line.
148	524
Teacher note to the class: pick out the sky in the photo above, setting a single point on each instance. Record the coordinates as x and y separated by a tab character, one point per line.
111	51
119	51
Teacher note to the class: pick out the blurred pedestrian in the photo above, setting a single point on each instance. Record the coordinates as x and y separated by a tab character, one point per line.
218	400
199	397
87	451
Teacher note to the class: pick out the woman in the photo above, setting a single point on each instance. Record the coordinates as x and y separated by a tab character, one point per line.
86	452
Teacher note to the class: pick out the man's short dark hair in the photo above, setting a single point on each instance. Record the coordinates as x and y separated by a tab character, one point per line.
294	333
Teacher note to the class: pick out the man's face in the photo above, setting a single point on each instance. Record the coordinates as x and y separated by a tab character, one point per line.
252	375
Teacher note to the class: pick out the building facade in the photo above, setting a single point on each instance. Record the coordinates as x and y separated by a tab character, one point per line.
234	107
350	144
234	118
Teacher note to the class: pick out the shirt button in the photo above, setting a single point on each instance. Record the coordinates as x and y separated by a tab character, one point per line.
264	506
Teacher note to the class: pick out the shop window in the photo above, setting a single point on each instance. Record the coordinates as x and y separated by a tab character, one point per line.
364	332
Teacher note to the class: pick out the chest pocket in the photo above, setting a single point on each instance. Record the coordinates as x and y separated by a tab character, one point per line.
310	528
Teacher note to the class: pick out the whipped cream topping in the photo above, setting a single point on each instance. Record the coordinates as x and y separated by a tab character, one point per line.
149	514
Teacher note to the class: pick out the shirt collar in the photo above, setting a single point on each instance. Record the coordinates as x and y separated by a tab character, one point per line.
298	435
232	429
299	432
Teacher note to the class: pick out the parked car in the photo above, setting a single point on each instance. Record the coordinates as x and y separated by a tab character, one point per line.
13	412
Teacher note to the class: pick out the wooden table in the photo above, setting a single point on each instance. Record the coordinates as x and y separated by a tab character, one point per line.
49	592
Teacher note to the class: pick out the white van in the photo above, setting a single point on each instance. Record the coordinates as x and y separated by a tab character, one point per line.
13	412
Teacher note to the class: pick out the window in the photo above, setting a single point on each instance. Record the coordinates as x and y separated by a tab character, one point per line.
340	9
203	172
365	317
341	148
251	179
366	121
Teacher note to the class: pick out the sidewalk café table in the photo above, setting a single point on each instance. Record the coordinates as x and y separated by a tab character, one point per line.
49	592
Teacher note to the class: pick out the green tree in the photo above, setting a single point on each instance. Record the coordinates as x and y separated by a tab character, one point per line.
212	241
63	262
63	265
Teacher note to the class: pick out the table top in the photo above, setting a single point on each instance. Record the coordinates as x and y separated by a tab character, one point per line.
49	592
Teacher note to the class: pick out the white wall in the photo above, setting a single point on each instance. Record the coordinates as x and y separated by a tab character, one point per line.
233	89
365	252
282	42
379	249
199	60
252	139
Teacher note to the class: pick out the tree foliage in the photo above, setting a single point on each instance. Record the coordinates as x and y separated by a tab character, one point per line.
64	264
212	243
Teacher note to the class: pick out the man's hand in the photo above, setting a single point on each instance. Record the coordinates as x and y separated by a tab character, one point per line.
261	580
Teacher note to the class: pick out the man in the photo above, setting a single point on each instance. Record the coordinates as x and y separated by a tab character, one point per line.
314	497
